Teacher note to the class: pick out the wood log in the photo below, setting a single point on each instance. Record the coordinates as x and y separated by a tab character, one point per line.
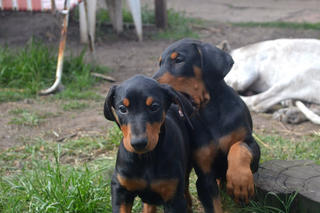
161	19
284	178
105	77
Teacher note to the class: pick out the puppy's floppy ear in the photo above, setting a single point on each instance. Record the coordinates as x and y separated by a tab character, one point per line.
185	106
109	104
215	63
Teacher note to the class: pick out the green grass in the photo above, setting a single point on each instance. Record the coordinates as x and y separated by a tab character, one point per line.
43	176
74	105
24	118
25	71
276	147
52	187
286	25
179	26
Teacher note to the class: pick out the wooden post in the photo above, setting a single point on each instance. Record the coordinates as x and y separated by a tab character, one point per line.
83	24
115	11
161	14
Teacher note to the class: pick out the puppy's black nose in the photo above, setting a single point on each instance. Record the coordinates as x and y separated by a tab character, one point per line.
139	144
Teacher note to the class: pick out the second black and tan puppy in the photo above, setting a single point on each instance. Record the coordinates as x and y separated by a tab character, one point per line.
222	144
153	160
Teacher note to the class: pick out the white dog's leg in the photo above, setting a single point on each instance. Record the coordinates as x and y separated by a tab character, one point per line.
263	101
314	118
292	115
295	87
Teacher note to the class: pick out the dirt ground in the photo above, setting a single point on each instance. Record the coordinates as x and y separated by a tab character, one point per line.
126	57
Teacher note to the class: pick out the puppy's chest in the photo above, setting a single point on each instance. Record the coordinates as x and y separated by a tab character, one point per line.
161	188
216	137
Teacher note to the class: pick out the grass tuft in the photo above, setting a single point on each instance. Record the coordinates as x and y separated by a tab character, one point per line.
25	71
74	105
25	118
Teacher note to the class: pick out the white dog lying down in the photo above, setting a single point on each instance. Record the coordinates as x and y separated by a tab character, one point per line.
278	70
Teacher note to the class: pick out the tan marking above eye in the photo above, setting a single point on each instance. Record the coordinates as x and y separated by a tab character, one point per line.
174	55
160	59
165	188
132	184
149	101
126	102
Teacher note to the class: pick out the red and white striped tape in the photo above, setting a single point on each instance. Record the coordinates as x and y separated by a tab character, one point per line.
34	5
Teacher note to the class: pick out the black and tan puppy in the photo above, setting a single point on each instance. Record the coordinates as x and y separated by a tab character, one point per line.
222	144
153	160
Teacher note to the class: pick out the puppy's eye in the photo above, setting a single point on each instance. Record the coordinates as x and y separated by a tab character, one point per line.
154	107
122	109
179	60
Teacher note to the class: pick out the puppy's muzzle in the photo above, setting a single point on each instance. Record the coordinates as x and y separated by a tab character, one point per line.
139	144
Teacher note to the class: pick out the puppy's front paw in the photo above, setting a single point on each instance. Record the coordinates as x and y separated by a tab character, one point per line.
240	184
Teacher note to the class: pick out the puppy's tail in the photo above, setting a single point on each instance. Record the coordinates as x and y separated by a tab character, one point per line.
313	117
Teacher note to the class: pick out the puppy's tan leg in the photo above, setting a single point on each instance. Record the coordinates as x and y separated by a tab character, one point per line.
239	175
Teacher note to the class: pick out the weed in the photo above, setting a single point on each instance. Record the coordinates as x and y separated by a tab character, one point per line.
24	118
74	105
260	205
263	207
17	111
